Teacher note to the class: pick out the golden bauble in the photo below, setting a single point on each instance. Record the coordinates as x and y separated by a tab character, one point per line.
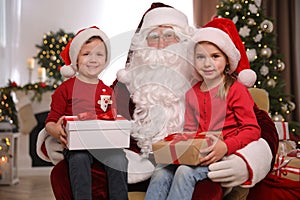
266	52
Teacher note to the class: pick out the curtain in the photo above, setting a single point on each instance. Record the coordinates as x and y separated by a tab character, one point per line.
10	18
285	28
284	15
204	11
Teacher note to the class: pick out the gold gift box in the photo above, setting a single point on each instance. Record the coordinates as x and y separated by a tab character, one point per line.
182	148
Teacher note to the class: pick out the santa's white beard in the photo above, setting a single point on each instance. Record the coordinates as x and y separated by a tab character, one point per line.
157	81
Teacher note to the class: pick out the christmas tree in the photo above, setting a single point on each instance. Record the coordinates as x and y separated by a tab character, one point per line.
49	54
256	32
8	112
49	58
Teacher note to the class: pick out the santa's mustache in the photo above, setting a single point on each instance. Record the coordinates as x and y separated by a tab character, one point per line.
159	66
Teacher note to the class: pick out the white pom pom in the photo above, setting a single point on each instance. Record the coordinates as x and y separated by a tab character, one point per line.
67	71
122	76
247	77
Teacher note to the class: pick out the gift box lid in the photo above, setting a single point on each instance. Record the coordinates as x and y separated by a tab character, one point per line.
73	124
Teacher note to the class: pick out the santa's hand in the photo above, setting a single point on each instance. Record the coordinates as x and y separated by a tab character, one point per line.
231	171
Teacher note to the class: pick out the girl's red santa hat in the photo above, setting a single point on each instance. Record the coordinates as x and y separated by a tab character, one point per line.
223	33
71	51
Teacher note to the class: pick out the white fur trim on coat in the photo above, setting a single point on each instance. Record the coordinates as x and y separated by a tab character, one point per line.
258	156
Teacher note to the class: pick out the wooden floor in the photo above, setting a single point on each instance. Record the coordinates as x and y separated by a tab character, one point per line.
29	187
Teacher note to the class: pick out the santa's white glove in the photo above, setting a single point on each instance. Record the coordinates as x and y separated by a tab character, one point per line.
231	171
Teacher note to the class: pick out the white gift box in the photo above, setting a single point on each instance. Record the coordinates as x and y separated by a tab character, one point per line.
97	134
282	130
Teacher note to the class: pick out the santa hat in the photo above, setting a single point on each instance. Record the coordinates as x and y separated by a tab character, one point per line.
161	15
223	33
70	53
166	16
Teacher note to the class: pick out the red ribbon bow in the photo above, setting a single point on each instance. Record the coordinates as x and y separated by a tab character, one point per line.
184	136
109	115
281	166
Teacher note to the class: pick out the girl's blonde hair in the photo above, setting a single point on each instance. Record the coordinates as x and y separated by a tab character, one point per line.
227	83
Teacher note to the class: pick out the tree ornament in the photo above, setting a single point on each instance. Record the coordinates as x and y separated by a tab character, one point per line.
267	26
235	19
291	105
280	66
257	3
277	118
250	21
266	52
284	107
264	70
53	58
271	83
237	6
244	31
251	54
253	9
258	37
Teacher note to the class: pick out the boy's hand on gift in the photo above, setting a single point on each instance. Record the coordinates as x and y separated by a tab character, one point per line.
62	133
215	152
57	130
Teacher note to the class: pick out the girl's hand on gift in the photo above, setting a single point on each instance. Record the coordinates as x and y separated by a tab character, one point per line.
57	130
215	152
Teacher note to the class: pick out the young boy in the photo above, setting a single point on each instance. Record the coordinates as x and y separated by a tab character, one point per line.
86	55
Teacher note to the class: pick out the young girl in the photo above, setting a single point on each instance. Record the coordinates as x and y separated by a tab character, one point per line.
218	103
86	55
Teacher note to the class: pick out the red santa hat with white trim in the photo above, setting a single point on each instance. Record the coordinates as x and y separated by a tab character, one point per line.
223	33
71	51
165	16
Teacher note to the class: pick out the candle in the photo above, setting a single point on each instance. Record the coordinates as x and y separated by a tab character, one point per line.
30	63
41	74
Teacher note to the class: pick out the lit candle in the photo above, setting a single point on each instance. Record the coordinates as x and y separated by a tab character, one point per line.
41	74
30	63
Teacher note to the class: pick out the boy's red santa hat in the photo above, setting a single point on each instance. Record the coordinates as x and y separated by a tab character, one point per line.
223	33
71	51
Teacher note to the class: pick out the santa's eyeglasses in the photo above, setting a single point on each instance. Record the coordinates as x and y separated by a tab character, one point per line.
167	35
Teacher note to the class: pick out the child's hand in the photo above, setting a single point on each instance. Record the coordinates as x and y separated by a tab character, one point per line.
57	130
61	131
215	152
